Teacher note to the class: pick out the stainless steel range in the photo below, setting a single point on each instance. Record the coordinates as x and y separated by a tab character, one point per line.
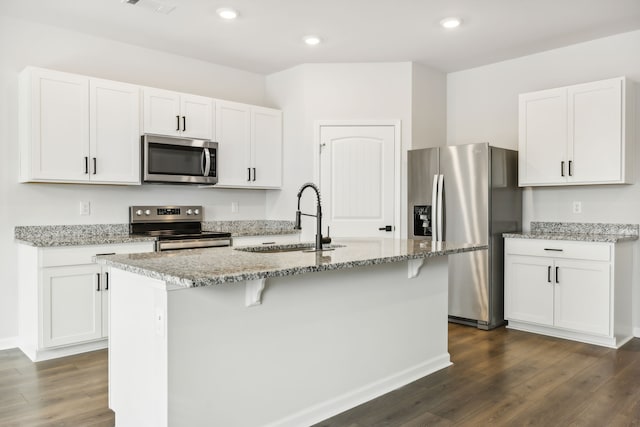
176	227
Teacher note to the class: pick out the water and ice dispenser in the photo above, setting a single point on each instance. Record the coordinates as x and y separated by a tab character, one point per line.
422	221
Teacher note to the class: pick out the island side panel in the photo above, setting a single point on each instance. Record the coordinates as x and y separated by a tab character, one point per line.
319	344
137	350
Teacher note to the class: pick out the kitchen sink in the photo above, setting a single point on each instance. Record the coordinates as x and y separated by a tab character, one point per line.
293	247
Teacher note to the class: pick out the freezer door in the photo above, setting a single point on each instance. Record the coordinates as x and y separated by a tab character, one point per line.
466	220
422	167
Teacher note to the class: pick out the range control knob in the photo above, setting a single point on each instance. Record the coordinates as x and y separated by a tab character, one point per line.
196	212
189	212
139	212
147	212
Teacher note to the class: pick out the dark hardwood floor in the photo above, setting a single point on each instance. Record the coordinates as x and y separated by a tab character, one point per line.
501	377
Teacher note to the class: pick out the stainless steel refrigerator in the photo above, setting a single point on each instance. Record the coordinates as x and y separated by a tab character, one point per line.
467	193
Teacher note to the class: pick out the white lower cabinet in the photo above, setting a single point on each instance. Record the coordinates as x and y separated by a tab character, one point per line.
574	290
64	298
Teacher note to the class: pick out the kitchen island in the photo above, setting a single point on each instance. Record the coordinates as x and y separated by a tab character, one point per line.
226	337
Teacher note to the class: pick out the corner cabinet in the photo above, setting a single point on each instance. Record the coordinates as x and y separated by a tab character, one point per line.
575	135
177	114
64	298
574	290
249	146
77	129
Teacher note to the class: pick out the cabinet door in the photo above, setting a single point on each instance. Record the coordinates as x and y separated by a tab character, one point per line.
196	120
161	112
114	132
542	142
266	139
72	305
595	132
59	108
233	134
529	289
582	296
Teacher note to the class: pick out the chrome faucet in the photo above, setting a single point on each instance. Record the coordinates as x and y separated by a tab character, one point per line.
319	239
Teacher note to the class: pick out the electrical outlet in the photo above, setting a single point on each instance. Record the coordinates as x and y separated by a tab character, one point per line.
85	207
235	207
577	207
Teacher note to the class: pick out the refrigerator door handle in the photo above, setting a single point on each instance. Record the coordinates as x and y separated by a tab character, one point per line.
434	209
440	203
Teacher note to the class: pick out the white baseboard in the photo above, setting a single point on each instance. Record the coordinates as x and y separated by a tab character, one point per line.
346	401
7	343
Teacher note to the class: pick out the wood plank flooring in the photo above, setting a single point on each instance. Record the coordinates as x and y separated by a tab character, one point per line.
499	378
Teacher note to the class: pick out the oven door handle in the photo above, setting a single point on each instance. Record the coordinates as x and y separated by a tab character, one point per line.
207	162
191	244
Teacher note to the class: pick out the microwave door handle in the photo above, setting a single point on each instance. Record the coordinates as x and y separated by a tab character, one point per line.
207	161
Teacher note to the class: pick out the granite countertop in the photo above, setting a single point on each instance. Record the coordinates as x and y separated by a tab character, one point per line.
579	232
103	234
206	267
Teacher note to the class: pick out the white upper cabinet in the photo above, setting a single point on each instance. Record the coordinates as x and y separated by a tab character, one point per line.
177	114
249	146
114	137
78	129
579	134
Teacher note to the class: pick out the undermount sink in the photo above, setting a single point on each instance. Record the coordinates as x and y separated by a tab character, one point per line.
293	247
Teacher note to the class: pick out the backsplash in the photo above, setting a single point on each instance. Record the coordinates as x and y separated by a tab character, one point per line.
585	228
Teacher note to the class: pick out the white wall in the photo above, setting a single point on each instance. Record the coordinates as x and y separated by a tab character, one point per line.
24	43
428	107
371	91
482	105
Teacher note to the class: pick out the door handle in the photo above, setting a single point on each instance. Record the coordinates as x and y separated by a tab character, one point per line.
98	288
106	281
549	274
386	228
254	174
562	168
434	205
440	207
184	123
207	162
86	164
178	123
95	166
570	173
557	280
249	171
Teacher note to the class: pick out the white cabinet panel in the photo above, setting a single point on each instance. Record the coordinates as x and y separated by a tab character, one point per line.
55	126
114	132
72	305
582	296
577	134
78	129
161	112
543	136
584	299
233	134
177	114
249	146
529	295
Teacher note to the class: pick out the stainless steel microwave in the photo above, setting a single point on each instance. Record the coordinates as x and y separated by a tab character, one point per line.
173	160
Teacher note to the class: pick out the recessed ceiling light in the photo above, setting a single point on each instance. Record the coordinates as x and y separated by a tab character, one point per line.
227	13
452	22
312	40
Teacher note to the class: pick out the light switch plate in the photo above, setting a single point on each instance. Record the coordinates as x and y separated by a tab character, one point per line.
85	207
577	207
235	207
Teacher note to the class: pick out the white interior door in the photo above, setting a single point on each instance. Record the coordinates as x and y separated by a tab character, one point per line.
357	180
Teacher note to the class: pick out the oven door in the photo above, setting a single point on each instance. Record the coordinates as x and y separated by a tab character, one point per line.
179	160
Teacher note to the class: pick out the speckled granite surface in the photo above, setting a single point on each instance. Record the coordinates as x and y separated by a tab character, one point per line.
76	235
251	227
206	267
99	234
579	231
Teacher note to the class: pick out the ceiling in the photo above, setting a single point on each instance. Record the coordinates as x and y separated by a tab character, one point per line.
267	37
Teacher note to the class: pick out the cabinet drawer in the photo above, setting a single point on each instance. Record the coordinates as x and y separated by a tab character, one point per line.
75	255
559	249
273	239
